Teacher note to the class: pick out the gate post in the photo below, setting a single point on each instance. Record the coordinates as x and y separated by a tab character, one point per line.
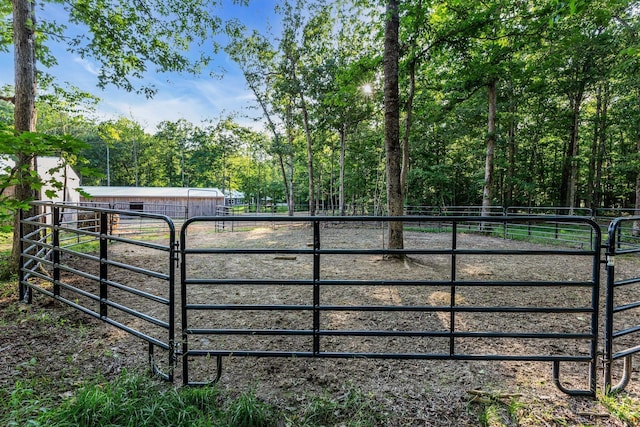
56	250
104	230
316	287
23	292
615	243
608	329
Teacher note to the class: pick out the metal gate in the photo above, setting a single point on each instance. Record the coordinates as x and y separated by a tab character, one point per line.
98	261
622	327
118	285
294	305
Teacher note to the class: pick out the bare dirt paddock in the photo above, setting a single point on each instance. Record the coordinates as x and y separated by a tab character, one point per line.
502	300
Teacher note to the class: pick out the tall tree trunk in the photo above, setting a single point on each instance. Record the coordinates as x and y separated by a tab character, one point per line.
573	149
343	137
511	151
24	42
307	134
601	148
636	224
487	193
289	125
395	197
407	125
288	190
570	161
591	197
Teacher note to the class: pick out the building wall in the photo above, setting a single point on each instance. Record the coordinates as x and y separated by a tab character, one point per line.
172	207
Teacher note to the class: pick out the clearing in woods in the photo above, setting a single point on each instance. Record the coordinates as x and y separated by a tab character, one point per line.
410	392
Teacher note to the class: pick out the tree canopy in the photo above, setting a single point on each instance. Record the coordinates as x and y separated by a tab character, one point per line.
499	103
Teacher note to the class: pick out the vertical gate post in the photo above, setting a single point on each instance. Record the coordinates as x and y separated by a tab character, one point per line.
595	307
55	255
22	288
614	243
104	230
608	334
316	287
452	301
173	256
184	344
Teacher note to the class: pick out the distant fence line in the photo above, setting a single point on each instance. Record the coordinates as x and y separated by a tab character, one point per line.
178	211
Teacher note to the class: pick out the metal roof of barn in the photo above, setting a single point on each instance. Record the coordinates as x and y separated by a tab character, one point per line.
142	192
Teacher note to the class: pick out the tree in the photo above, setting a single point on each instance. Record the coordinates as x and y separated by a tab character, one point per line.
395	198
24	41
256	57
124	37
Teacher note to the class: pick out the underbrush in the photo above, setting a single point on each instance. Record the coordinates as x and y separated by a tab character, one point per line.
8	279
136	400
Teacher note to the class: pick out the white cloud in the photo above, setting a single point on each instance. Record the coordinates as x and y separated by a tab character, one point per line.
86	65
195	100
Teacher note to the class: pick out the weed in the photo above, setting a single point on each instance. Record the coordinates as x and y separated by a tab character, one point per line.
623	407
22	406
353	408
494	410
248	411
134	399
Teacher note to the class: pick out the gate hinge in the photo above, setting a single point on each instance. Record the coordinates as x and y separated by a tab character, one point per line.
611	261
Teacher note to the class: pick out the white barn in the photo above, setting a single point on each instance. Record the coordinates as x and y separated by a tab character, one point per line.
50	169
175	202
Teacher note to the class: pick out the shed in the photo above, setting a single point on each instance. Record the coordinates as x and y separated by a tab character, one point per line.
175	202
233	197
51	169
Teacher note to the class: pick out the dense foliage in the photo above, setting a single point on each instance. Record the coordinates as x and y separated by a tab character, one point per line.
567	109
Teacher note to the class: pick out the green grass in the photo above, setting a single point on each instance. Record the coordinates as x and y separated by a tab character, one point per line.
21	404
136	400
623	407
496	410
7	277
353	408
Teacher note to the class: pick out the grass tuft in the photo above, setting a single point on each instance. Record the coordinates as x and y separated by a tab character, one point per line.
353	408
248	411
133	400
623	407
136	400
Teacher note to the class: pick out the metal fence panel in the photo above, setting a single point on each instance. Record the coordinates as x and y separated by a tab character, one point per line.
76	255
241	298
622	326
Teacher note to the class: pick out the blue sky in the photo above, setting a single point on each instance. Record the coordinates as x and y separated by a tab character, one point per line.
194	98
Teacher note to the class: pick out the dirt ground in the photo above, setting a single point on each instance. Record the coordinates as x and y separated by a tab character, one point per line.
48	339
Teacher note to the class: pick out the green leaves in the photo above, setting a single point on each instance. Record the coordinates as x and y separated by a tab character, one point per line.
128	38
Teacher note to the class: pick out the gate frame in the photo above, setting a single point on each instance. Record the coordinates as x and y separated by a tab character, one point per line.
29	263
614	248
177	251
316	252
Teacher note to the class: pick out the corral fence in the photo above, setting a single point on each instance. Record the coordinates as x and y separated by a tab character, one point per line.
66	253
622	333
297	295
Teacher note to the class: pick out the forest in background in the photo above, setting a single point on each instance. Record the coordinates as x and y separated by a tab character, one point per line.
519	102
